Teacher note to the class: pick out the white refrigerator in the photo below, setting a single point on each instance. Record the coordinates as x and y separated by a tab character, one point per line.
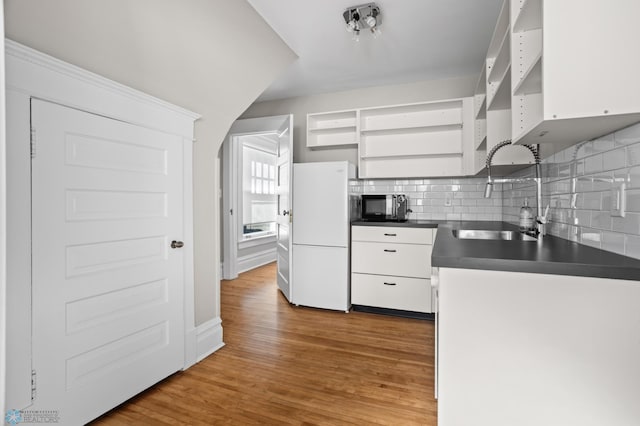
321	232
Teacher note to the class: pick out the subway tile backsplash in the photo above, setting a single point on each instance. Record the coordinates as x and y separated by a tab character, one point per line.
577	186
440	199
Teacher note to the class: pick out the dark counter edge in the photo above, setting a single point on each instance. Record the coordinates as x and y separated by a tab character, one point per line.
585	261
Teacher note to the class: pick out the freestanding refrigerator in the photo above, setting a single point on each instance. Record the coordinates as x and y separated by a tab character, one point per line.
321	225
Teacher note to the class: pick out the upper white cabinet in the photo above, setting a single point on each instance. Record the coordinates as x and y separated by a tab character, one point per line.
332	129
416	140
574	69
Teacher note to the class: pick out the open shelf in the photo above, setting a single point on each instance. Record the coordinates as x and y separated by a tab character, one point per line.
412	129
482	144
502	60
530	16
501	28
481	106
415	140
480	137
351	143
501	98
411	166
412	117
332	129
531	81
429	155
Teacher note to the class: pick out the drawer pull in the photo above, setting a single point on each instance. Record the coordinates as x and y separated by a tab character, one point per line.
389	283
390	235
389	251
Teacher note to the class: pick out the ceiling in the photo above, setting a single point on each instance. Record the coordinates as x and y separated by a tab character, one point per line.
421	40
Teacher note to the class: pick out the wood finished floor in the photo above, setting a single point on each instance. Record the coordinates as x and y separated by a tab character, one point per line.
292	365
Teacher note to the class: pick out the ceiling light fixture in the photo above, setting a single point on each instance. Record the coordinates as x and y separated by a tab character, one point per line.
363	16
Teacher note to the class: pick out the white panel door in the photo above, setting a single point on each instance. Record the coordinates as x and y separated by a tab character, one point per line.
107	286
283	192
320	201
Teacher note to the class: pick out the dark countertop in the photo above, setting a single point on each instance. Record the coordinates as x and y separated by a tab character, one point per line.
407	224
549	255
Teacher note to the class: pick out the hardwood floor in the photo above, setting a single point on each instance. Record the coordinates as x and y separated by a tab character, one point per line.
284	364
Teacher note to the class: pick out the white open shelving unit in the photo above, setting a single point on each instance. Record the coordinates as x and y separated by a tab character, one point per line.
415	140
526	34
498	72
479	152
574	74
333	129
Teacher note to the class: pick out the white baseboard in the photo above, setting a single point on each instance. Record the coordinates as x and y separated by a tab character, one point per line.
252	261
190	351
209	338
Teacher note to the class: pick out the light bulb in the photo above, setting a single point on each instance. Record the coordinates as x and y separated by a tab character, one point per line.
377	32
352	26
370	21
356	35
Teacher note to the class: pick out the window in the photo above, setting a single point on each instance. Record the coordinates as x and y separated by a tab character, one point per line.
258	189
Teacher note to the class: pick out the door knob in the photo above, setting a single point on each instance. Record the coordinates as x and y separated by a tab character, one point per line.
176	244
285	212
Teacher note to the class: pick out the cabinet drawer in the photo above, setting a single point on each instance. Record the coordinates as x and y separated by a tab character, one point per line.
407	294
405	260
392	234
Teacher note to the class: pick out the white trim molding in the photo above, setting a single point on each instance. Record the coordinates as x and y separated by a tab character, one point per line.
254	260
27	66
209	338
3	224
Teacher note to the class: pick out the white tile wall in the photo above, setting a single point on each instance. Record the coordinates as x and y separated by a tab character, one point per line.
577	185
440	199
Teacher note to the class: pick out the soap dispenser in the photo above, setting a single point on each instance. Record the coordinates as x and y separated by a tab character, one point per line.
526	217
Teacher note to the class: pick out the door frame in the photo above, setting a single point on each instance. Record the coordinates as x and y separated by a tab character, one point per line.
32	74
230	184
3	222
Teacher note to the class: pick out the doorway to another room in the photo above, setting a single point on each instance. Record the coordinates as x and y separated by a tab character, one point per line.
254	160
256	202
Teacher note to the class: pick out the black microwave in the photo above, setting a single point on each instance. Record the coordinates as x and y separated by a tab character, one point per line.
381	207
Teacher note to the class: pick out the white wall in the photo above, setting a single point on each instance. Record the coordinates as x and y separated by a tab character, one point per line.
359	98
213	57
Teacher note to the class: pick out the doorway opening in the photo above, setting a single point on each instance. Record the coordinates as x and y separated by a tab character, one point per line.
256	203
253	202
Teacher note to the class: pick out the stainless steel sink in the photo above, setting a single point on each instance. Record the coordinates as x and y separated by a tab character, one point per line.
478	234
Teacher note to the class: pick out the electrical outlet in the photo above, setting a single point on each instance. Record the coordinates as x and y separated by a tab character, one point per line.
618	199
447	200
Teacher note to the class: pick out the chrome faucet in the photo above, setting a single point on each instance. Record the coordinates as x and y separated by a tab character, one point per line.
541	218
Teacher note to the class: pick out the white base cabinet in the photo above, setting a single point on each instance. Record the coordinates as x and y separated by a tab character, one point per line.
535	349
391	267
402	293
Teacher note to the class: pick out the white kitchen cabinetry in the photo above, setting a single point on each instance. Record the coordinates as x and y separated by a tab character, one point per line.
332	129
391	267
510	343
498	68
416	140
479	152
574	71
